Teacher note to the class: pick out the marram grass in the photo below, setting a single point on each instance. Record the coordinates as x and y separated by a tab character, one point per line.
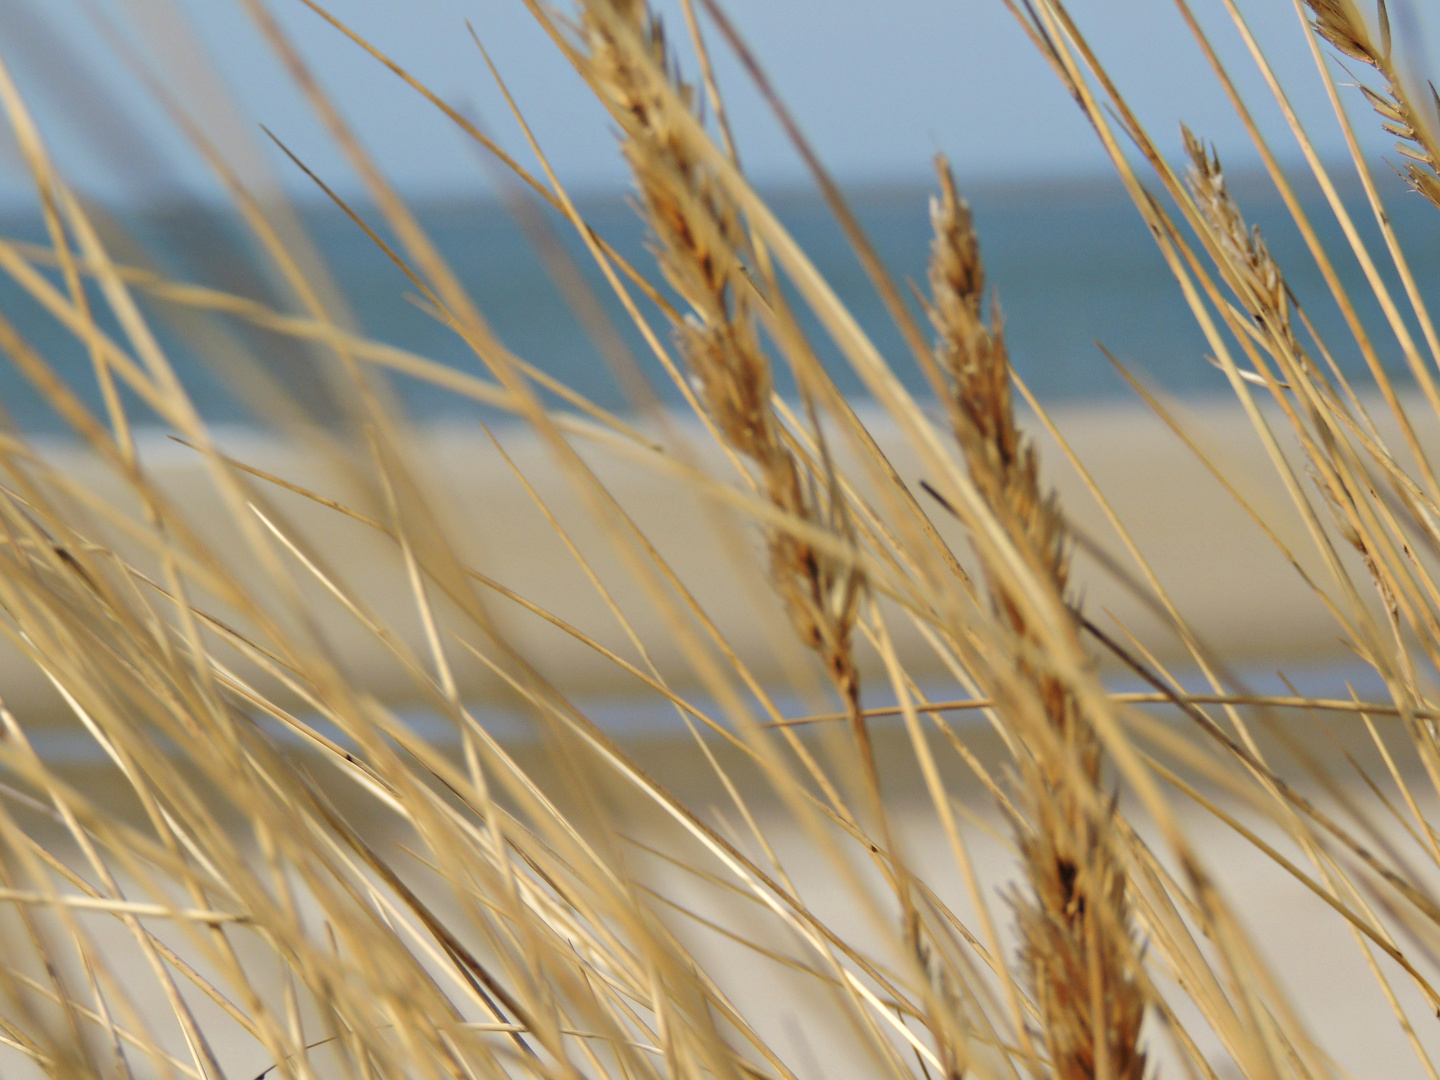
274	873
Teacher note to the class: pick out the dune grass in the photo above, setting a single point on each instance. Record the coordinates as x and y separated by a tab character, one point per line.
273	864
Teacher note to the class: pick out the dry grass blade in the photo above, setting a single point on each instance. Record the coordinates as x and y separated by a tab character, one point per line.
1074	921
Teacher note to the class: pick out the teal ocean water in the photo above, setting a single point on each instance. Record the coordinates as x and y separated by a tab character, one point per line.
1071	263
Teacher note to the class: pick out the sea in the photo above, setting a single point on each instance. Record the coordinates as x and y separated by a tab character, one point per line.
1074	271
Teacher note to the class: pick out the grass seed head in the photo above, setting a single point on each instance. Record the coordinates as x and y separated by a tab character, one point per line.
1257	278
973	356
1340	23
701	244
1076	949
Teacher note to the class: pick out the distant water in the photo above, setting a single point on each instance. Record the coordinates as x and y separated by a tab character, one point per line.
1071	262
653	715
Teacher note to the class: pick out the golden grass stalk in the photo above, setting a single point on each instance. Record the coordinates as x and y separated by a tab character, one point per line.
1341	447
1261	289
1074	922
700	244
703	249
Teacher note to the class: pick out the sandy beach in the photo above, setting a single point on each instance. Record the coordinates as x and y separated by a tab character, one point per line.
1233	585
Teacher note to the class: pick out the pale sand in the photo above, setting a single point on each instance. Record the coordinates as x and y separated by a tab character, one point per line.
1235	588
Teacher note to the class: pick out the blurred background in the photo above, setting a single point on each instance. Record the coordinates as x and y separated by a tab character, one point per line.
878	88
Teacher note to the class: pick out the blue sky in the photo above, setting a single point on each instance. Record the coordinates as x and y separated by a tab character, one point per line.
879	86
